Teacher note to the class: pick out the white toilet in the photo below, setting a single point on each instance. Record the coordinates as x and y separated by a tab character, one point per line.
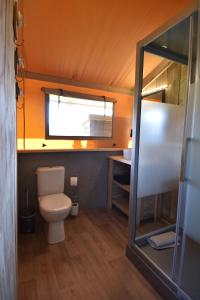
54	205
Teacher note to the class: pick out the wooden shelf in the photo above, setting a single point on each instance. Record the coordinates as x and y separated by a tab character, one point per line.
122	186
21	151
121	159
118	193
122	204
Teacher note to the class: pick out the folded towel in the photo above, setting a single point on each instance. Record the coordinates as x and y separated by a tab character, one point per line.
163	241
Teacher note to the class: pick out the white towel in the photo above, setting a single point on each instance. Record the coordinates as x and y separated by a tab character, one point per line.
162	241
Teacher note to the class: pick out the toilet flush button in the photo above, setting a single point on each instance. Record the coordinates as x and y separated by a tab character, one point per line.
73	181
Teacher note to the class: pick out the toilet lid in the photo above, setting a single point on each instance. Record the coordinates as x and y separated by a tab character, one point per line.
55	202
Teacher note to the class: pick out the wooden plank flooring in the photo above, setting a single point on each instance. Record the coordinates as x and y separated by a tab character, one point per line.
89	265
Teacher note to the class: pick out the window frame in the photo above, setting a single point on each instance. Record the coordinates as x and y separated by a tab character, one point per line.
48	91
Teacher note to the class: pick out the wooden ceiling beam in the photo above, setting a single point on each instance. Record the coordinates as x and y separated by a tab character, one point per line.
56	79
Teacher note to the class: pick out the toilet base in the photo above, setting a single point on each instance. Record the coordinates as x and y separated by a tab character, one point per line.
56	232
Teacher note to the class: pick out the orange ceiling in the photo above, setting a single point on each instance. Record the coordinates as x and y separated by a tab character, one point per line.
92	41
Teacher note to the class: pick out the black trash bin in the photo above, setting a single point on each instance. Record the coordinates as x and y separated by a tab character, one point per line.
28	221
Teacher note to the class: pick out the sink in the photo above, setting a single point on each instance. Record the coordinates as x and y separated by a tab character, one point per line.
127	153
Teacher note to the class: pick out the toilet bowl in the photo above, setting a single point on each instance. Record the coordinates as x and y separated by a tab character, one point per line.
54	205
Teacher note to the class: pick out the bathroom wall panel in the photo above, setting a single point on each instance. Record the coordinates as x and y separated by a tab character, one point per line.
7	155
91	167
175	77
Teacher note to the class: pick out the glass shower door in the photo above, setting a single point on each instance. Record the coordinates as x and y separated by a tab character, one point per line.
166	166
187	253
161	133
158	149
187	271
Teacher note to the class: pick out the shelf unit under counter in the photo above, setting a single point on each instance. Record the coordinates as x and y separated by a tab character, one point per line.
118	190
125	187
121	203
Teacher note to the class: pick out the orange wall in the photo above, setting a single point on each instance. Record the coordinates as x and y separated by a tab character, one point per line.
35	113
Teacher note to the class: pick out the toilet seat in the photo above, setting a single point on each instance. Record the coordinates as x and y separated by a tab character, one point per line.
55	203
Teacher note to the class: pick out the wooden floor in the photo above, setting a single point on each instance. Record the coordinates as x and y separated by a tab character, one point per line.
90	264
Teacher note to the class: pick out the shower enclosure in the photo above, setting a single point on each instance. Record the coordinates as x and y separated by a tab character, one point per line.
165	179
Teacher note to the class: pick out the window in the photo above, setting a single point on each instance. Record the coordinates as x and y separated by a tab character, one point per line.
78	116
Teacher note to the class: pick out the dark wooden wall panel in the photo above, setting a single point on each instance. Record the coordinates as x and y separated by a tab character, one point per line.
7	155
175	77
